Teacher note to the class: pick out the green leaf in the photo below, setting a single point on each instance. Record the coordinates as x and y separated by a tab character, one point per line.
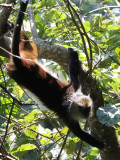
92	154
108	115
111	40
31	117
26	147
64	130
70	145
105	63
18	91
113	27
115	84
87	26
97	35
46	3
31	133
117	51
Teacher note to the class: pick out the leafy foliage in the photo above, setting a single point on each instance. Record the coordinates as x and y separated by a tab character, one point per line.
34	133
109	115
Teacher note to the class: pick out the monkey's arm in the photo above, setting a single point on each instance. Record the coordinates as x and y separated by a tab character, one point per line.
74	68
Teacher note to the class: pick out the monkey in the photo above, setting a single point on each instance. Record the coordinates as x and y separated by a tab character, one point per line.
65	99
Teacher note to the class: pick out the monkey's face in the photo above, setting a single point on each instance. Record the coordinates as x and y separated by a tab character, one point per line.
80	106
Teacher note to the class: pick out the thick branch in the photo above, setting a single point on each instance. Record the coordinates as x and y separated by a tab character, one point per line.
53	52
4	14
32	20
4	41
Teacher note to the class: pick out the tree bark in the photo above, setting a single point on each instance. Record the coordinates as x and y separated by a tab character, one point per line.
4	41
89	85
4	14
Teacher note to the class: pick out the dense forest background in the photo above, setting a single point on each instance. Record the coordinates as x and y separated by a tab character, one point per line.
29	131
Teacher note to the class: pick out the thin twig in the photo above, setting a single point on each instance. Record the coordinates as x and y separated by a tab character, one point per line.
5	155
85	33
10	114
28	128
114	60
98	9
2	72
52	145
19	128
6	5
15	99
80	32
15	55
52	124
100	55
63	144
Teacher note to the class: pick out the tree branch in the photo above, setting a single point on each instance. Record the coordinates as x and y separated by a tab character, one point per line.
10	114
32	20
84	33
4	14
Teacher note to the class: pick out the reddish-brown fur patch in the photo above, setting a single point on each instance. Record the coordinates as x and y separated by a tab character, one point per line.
28	49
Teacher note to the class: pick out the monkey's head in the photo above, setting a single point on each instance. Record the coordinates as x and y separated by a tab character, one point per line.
80	106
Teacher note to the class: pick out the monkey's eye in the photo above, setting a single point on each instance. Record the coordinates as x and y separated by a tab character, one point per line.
85	111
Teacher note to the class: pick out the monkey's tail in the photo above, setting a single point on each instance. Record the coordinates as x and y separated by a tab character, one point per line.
17	31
